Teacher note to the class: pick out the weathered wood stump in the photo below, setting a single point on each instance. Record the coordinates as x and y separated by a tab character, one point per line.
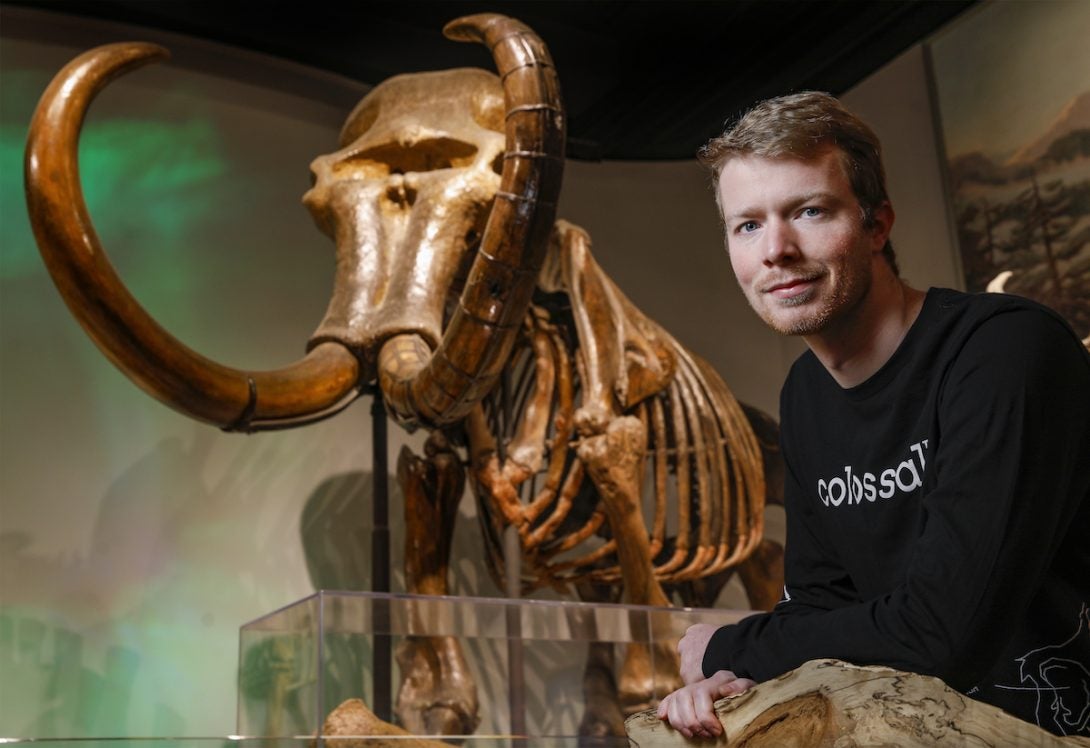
833	703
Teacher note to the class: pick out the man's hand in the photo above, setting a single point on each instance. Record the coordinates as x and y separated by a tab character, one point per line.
691	648
689	709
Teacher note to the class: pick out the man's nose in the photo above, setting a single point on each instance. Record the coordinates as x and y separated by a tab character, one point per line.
781	243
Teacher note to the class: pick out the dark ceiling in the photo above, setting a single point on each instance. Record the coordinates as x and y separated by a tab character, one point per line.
642	80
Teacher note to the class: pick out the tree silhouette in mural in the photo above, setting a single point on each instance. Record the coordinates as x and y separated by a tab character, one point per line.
1032	219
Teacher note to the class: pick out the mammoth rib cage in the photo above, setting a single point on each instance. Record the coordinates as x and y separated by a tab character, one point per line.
701	455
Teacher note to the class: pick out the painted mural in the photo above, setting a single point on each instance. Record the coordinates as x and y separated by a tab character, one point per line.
1013	84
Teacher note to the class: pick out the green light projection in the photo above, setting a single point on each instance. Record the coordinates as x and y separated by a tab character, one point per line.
133	541
69	667
19	90
141	178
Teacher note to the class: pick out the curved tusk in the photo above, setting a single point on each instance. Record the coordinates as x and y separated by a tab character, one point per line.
311	388
441	387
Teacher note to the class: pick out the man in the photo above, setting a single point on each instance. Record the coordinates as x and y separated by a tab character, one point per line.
937	446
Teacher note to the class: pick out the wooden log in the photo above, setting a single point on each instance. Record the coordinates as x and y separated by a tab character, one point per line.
833	703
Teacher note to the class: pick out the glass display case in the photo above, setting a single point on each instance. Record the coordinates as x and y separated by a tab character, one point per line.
527	657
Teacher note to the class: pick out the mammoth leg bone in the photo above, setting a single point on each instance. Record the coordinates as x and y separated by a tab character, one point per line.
625	357
438	695
614	460
623	360
602	717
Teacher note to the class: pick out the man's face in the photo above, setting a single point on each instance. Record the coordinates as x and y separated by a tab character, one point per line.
796	239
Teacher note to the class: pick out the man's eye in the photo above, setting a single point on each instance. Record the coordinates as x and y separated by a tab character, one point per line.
812	212
747	227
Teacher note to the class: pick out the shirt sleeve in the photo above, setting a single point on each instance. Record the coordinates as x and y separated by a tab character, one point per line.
1012	469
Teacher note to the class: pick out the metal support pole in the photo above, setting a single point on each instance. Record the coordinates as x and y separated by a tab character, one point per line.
512	564
382	659
512	559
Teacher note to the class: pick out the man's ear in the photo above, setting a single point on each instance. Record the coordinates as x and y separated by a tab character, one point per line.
882	224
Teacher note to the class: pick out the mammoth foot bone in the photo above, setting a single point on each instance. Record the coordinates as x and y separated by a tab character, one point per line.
352	719
438	695
602	716
828	702
649	672
614	459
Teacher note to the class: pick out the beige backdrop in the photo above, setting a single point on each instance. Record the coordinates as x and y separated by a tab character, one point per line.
134	542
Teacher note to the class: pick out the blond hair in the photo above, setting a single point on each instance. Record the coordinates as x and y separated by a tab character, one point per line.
803	126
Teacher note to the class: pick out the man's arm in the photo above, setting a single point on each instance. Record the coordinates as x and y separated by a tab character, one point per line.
816	583
691	650
1012	470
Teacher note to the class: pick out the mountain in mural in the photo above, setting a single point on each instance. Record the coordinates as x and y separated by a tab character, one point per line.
1067	139
1073	119
1030	214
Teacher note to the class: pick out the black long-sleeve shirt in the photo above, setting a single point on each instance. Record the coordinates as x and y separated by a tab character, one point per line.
938	514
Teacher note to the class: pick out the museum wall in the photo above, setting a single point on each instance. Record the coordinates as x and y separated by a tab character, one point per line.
134	541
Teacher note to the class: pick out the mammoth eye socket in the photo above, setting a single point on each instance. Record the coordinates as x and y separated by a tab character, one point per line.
395	158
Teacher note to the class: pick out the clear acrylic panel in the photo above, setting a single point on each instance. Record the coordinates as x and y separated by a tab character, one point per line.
527	657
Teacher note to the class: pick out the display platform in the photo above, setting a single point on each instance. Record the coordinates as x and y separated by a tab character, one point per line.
301	741
526	657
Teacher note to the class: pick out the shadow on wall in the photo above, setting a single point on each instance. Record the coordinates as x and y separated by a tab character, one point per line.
335	531
276	675
335	528
130	635
276	678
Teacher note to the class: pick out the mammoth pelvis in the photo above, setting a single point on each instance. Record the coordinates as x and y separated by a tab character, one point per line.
485	321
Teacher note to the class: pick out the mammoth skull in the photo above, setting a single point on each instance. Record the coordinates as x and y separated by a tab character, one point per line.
442	181
406	199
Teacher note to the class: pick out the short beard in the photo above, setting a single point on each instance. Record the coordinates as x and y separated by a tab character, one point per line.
843	300
808	325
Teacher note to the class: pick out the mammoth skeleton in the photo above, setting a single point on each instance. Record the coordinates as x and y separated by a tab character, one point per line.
483	320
